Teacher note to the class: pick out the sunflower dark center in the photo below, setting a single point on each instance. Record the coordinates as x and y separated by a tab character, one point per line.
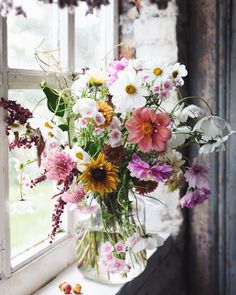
98	174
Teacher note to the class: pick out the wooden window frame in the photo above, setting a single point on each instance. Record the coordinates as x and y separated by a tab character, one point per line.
40	264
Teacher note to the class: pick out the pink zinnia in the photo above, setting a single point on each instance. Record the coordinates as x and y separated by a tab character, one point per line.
149	129
197	174
194	197
58	165
75	196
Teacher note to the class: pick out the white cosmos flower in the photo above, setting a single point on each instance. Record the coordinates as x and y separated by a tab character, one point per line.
78	155
215	131
48	129
182	113
177	71
128	91
18	165
179	136
87	107
96	76
138	243
157	73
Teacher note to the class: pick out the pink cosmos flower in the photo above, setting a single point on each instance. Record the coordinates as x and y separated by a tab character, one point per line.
106	249
143	171
194	197
149	129
120	247
58	165
74	196
115	67
197	174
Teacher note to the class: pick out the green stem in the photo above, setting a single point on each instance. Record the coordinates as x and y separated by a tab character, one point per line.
37	104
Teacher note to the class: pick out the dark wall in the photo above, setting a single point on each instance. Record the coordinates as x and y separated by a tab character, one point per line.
212	226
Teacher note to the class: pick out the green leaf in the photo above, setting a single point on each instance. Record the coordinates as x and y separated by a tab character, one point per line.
64	127
55	103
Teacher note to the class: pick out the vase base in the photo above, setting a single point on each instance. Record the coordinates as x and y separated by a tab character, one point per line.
109	278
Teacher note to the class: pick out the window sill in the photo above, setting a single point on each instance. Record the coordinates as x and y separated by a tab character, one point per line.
72	275
43	267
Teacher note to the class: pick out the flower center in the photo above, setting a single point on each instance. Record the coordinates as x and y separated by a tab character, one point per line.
46	124
79	155
130	89
175	74
147	128
98	174
157	71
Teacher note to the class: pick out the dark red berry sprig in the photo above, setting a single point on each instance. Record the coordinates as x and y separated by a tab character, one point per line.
39	179
56	218
16	113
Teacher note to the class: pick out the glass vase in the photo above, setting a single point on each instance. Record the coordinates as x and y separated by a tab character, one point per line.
93	230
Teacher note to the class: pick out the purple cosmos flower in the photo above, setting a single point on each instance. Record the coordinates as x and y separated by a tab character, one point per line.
143	171
194	197
197	174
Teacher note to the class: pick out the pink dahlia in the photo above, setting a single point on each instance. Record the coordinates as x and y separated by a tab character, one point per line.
58	165
149	129
195	197
197	174
74	196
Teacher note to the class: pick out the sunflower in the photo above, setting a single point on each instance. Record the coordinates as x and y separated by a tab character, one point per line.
100	176
107	112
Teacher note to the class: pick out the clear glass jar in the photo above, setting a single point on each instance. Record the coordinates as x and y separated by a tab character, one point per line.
93	231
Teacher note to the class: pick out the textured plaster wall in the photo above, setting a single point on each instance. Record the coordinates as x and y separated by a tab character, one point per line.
151	33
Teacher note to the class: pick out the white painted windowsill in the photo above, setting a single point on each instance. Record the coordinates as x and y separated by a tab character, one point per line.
89	287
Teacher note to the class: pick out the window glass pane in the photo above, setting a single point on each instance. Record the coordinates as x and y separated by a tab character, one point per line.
26	34
29	229
89	39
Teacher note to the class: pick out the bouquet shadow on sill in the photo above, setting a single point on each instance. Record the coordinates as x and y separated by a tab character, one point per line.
163	274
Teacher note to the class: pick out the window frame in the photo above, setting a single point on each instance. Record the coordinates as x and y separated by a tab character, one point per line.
34	262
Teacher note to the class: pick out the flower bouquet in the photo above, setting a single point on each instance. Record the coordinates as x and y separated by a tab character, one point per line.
113	136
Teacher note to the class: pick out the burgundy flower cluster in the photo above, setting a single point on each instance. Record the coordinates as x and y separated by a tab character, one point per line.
16	113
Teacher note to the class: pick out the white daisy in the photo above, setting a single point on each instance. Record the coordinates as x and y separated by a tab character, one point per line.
128	91
177	71
157	73
78	155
